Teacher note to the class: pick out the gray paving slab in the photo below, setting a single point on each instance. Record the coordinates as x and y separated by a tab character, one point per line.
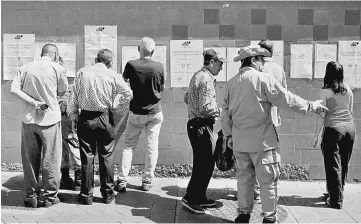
300	202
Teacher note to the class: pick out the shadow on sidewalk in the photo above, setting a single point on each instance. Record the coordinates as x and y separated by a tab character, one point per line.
296	200
158	208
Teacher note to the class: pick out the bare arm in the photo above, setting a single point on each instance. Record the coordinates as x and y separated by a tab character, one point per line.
16	87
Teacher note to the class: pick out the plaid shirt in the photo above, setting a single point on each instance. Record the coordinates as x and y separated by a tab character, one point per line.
201	96
97	88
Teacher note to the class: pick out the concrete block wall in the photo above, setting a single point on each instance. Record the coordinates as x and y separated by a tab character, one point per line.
228	24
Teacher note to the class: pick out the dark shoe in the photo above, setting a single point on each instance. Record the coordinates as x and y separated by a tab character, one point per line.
146	186
50	201
243	218
335	206
31	201
325	196
109	198
208	203
84	200
66	182
269	221
77	180
120	186
194	208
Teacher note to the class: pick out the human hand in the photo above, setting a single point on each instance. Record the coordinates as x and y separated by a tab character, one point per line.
317	107
39	105
230	142
314	141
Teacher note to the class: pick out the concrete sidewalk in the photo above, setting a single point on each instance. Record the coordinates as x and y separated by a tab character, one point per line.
300	202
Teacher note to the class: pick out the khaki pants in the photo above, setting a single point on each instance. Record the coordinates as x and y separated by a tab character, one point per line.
151	125
265	165
41	145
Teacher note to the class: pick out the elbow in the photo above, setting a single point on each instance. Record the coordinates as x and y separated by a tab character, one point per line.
61	93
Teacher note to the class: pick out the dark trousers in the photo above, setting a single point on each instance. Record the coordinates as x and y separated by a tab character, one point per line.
200	133
337	146
96	132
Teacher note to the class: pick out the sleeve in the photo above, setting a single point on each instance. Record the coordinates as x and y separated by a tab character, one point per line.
281	97
207	99
226	119
186	98
162	75
128	70
284	79
122	96
73	104
62	80
351	101
17	81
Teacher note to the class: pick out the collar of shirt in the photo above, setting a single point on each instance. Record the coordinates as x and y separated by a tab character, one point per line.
204	69
268	59
100	65
247	68
45	58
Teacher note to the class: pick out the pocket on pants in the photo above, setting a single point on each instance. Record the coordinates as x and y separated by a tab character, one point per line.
271	156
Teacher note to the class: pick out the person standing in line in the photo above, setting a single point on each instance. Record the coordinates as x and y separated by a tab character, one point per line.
271	67
146	78
37	84
247	123
71	152
94	92
338	132
202	112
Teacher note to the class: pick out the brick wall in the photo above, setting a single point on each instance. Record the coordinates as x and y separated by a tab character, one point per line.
218	24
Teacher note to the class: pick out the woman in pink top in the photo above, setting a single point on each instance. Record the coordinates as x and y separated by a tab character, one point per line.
338	132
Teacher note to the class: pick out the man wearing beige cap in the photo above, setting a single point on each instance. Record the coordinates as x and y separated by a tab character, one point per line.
247	123
202	112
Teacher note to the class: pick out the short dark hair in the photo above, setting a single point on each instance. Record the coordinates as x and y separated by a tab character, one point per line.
105	56
334	78
267	44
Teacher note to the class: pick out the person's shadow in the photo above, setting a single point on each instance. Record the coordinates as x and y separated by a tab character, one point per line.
161	209
13	193
296	200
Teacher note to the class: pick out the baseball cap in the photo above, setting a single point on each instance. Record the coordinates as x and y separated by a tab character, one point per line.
251	51
210	54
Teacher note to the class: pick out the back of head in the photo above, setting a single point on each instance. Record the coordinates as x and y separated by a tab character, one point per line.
267	44
49	50
334	78
147	46
105	56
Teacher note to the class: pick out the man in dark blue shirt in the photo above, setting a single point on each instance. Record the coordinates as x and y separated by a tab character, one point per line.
146	78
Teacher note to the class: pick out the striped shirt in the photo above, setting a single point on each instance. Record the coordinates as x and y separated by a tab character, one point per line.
96	88
201	96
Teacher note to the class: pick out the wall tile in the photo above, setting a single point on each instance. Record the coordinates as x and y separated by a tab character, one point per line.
352	32
258	32
211	16
274	32
179	32
287	126
337	16
336	32
320	32
226	32
305	126
289	33
305	16
352	17
321	17
289	16
242	32
274	17
287	148
305	32
206	32
258	16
